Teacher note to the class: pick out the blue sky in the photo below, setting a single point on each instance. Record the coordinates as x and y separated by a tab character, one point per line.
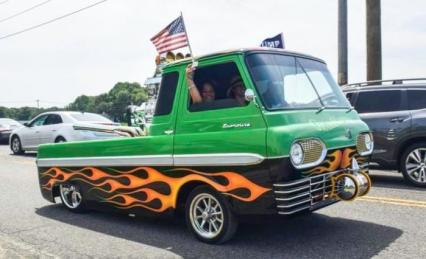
89	52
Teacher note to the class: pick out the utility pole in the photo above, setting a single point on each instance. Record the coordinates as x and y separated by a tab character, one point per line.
342	74
374	40
38	103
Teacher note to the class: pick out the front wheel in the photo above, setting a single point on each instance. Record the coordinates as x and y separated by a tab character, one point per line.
71	197
209	216
16	146
413	163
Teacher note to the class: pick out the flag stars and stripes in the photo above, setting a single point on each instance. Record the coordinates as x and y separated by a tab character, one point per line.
172	37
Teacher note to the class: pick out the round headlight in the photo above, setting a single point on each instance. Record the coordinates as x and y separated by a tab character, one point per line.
296	154
368	142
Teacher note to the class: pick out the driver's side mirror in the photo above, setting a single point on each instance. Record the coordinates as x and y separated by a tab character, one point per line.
26	124
249	95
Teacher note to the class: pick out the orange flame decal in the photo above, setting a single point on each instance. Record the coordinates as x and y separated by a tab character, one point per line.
120	189
337	159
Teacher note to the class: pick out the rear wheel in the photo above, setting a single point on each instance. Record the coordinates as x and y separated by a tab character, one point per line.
16	146
413	163
209	216
71	197
60	140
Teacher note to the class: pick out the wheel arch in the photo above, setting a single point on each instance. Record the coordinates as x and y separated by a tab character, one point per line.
184	192
59	136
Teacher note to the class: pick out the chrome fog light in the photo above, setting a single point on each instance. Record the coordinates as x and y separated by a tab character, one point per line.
364	183
346	187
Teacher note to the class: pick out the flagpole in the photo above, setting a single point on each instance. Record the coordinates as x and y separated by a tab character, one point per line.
186	33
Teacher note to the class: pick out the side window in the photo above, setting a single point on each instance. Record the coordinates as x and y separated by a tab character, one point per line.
220	86
378	101
350	97
39	121
416	99
167	94
53	119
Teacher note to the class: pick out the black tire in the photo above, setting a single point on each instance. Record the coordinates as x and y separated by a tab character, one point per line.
408	160
60	140
67	198
229	224
16	146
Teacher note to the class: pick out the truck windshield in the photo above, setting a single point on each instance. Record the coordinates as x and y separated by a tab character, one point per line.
286	82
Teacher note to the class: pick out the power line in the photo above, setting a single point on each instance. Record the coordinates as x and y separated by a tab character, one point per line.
50	21
24	11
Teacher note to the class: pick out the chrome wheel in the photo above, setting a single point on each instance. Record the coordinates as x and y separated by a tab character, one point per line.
206	215
71	196
415	165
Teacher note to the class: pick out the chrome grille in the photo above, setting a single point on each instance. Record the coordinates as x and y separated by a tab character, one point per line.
312	150
304	194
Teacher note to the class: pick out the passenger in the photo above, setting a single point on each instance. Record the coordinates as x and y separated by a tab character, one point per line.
237	90
207	88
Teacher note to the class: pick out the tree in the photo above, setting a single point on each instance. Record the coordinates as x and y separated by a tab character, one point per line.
114	103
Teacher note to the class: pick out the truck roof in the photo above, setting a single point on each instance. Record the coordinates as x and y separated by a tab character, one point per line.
242	51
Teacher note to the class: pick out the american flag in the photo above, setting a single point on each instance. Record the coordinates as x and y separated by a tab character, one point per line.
172	37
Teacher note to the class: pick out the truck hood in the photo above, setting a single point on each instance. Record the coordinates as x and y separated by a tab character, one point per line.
335	127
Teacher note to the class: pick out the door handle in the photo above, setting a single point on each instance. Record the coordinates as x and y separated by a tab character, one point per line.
397	119
168	132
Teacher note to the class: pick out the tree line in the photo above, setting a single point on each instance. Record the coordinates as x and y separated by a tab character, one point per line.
112	104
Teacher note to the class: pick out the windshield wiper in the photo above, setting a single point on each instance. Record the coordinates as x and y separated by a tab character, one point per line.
313	86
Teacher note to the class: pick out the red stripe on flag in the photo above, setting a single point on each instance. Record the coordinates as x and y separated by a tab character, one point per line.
161	37
170	41
172	47
168	38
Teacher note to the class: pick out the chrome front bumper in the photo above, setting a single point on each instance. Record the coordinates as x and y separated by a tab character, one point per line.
309	193
313	192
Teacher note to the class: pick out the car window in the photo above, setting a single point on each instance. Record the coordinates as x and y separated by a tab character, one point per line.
53	119
350	97
167	94
416	99
38	121
89	117
220	87
378	101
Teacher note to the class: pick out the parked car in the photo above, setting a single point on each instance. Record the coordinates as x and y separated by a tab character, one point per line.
277	149
6	128
396	114
65	126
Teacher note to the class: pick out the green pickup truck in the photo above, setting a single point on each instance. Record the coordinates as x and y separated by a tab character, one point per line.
247	132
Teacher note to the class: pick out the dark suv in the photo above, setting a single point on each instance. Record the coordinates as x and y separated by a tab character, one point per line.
396	113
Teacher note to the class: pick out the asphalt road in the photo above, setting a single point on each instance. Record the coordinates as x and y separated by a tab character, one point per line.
389	223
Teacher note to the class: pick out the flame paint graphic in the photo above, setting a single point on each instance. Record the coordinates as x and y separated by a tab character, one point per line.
337	159
121	189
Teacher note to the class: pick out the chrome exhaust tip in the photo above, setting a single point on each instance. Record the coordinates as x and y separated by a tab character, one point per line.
348	186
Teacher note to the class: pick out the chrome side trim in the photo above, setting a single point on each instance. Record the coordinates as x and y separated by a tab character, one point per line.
229	159
158	160
218	159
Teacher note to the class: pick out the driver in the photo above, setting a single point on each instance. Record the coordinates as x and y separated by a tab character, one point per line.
237	90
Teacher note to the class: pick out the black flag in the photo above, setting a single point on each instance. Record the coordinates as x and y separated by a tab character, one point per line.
274	42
